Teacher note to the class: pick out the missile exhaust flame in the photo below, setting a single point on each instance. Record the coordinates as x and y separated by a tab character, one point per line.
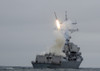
58	24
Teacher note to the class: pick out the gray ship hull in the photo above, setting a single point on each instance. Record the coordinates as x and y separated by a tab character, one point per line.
69	64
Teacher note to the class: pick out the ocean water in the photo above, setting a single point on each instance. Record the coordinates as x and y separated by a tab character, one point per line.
16	68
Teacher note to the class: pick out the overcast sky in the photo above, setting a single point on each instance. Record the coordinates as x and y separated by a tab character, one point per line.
26	29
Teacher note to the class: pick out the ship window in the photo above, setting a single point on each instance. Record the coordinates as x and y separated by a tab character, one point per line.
60	62
49	57
36	61
64	57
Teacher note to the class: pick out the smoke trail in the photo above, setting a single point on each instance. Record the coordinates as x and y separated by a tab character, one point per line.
59	43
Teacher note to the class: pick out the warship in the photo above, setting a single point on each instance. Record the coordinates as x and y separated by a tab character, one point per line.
72	58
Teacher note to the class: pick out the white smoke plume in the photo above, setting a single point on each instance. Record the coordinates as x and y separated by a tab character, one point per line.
60	38
59	43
